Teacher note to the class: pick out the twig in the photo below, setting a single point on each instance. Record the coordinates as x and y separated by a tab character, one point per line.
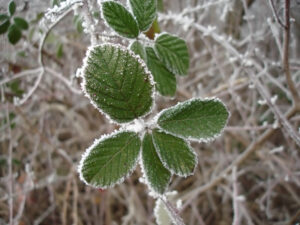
285	60
235	197
173	212
276	14
89	22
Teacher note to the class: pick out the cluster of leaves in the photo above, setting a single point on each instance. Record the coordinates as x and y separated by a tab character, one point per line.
166	58
11	24
120	84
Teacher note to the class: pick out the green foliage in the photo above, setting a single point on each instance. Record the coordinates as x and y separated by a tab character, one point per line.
195	119
60	51
175	153
13	30
144	12
158	177
118	83
138	48
4	23
120	19
12	8
21	23
173	52
165	80
110	159
14	34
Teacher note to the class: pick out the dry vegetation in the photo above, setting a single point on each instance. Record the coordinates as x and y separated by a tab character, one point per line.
239	53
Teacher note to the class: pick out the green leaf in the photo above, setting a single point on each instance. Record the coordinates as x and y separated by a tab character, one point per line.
78	23
21	23
144	12
175	153
3	17
4	25
14	34
110	159
118	82
165	80
138	49
60	51
195	119
157	176
12	8
120	19
173	52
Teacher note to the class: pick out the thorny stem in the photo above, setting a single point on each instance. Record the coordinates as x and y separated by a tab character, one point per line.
285	60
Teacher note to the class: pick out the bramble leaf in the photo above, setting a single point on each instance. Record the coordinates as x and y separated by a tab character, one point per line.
21	23
173	52
14	34
144	12
117	82
120	19
12	8
157	176
109	160
165	80
195	119
176	155
4	25
138	49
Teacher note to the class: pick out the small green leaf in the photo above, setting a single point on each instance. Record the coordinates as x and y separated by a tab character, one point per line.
195	119
21	23
157	176
60	51
110	159
12	8
144	12
14	34
165	80
4	25
173	52
175	153
138	49
78	23
3	17
118	82
120	19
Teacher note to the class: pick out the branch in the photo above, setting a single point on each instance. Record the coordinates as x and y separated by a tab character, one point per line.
276	14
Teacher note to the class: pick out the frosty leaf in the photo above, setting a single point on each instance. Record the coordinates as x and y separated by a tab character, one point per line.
195	119
138	49
14	34
173	52
11	8
157	175
109	160
175	153
144	12
165	80
117	82
120	19
21	23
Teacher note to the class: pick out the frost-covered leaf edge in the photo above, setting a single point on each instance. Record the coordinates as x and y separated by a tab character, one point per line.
107	25
190	148
153	192
90	148
140	60
200	140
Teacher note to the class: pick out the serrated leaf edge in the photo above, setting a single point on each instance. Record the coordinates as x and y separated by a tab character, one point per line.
107	25
140	60
157	35
88	151
200	140
165	164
